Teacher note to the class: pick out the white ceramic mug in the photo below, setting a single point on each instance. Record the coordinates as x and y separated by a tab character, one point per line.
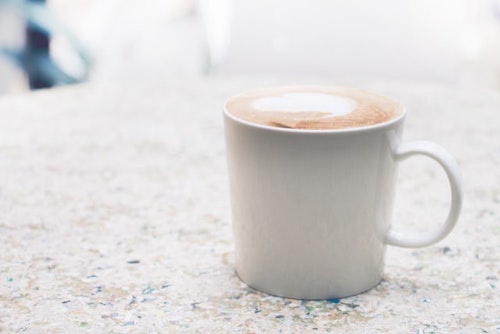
312	209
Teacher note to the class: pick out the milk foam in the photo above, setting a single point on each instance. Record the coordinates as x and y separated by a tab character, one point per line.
313	107
327	104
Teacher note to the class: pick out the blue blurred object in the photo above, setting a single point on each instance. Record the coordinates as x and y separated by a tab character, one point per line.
35	58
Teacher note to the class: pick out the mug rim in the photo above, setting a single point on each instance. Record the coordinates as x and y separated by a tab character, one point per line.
373	127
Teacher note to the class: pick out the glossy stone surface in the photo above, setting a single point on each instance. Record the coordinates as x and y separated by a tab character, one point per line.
114	217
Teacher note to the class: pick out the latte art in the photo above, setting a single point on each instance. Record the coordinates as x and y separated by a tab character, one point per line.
313	107
299	102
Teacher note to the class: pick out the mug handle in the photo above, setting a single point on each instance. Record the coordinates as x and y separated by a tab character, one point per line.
440	155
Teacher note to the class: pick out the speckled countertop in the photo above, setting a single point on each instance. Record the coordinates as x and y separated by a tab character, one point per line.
114	218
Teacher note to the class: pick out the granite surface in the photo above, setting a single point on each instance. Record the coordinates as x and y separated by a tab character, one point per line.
114	218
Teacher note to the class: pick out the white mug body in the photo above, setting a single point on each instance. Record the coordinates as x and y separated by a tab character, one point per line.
310	208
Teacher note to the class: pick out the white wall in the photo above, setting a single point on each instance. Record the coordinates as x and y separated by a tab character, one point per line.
11	35
448	41
451	41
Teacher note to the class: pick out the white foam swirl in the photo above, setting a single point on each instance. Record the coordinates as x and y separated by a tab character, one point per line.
302	101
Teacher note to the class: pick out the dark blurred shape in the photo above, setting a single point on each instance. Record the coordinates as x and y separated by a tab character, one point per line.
35	59
37	48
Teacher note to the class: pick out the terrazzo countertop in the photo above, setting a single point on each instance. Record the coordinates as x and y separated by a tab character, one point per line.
114	218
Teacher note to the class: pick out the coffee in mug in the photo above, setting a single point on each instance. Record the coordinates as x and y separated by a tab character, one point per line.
313	108
312	173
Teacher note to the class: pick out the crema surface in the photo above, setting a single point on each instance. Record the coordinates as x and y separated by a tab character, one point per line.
313	107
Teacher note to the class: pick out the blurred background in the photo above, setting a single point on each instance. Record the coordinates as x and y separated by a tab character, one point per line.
45	43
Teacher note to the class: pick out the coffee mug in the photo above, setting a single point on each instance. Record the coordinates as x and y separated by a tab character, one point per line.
312	204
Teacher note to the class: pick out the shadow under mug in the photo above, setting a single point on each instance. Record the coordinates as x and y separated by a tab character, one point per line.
312	210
